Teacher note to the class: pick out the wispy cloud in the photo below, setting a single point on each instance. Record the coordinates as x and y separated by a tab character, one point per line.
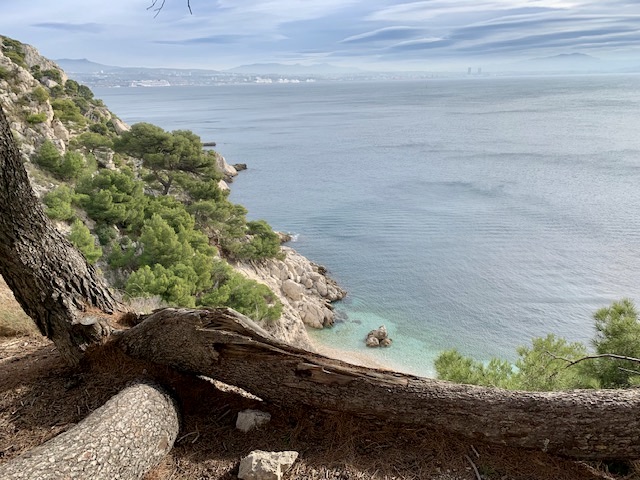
71	27
383	34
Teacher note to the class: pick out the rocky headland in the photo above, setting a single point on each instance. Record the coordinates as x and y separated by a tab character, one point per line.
305	290
32	87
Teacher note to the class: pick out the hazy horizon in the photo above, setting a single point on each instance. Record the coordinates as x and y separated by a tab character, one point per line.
378	35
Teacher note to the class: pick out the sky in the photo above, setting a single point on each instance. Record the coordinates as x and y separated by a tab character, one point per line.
369	34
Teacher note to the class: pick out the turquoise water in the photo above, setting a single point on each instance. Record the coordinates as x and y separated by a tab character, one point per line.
472	214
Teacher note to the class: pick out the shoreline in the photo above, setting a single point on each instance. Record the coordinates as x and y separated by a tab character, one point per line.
348	356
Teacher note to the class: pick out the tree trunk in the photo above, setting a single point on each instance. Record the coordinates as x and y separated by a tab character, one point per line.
124	439
51	280
221	343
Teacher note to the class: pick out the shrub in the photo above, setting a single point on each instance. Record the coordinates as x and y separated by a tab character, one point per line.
5	73
99	128
59	202
92	141
67	111
36	118
56	91
114	198
617	332
81	237
53	74
541	367
67	167
48	156
248	297
71	166
39	94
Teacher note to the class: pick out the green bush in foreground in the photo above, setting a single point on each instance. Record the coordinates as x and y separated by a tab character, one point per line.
546	364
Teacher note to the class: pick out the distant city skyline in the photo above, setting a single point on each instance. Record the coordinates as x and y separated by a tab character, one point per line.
372	34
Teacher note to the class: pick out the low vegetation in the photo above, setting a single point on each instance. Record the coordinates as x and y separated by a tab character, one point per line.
553	363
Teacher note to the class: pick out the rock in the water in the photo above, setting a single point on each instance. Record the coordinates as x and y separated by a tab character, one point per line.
378	337
372	342
260	465
250	419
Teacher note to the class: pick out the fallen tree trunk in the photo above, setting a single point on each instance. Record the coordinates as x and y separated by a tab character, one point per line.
124	439
223	344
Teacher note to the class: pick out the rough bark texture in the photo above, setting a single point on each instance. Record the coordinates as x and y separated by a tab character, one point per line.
586	424
51	280
123	439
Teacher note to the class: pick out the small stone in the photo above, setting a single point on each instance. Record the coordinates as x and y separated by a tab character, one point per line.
250	419
261	465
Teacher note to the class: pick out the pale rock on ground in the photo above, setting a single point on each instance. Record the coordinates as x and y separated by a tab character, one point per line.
250	419
260	465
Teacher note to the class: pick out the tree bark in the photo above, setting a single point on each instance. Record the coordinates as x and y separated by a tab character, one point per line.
124	439
223	344
51	280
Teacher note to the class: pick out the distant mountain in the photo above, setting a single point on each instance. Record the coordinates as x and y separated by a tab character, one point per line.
295	69
565	62
82	65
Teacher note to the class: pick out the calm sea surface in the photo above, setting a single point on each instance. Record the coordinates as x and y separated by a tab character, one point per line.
473	214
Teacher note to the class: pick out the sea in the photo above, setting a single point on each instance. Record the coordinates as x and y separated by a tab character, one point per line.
471	213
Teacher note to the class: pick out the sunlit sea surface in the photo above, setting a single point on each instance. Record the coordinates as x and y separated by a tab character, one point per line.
472	214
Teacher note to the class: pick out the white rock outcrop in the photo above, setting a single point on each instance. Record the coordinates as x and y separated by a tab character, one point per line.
227	170
261	465
249	419
304	289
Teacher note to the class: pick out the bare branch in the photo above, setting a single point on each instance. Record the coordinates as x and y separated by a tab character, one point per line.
592	357
161	6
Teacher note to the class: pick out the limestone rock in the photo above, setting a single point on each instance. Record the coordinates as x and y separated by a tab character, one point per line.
261	465
302	304
292	290
378	337
249	419
227	170
119	126
372	341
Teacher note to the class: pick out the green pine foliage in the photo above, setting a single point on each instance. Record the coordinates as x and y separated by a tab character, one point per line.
59	203
548	363
81	237
617	332
68	112
67	167
36	118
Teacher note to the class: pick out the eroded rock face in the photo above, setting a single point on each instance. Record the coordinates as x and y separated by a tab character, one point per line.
305	291
261	465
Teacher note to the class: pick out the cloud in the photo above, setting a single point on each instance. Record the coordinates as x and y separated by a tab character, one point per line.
383	34
212	39
71	27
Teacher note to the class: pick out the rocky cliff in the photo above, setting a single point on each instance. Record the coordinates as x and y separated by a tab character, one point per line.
304	289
